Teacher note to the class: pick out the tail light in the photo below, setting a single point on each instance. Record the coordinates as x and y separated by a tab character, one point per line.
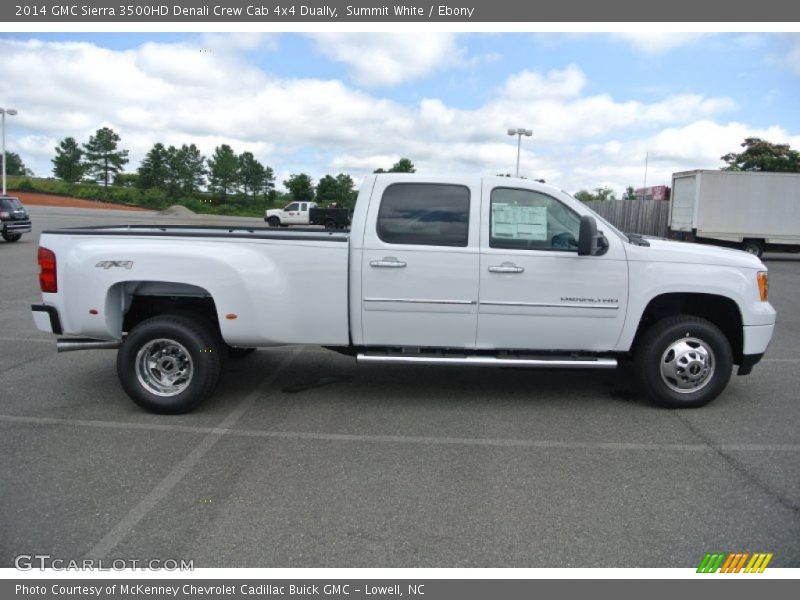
47	273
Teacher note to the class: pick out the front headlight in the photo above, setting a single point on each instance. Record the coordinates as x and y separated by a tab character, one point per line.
763	285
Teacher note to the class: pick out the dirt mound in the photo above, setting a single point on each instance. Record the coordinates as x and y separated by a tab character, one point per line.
177	211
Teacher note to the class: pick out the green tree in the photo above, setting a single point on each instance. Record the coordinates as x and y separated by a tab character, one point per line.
599	193
103	156
173	182
252	174
300	186
154	168
224	168
192	167
68	162
761	155
404	165
15	166
604	193
630	193
337	189
184	170
128	180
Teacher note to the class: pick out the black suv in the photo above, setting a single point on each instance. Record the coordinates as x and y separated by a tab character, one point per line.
14	219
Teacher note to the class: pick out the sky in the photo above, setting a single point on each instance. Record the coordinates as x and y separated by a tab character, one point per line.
599	104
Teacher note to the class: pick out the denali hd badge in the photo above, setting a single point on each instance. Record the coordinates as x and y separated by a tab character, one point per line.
117	264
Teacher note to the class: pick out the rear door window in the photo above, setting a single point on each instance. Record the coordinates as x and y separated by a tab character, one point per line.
424	214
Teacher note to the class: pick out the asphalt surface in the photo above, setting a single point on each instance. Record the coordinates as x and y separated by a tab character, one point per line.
304	460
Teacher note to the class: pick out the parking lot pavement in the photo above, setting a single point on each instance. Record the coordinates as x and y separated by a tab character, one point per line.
303	459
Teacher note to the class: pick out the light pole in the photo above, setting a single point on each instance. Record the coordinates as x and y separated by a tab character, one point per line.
3	113
519	133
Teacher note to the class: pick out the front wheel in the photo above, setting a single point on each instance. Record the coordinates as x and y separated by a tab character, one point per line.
683	362
169	364
273	221
11	237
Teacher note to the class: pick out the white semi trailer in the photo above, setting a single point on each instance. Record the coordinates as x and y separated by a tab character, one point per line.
739	209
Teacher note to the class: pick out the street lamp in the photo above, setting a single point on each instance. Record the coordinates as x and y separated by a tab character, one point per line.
519	133
4	112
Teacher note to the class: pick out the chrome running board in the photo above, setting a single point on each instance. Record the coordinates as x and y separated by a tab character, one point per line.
72	344
489	361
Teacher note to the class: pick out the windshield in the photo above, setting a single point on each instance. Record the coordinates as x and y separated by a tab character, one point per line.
10	203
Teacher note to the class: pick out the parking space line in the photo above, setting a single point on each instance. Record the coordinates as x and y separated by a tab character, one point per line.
122	529
224	429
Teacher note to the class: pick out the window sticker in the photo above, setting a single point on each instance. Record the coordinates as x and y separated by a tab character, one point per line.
513	222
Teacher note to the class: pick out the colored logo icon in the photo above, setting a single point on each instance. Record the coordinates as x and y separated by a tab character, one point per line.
734	562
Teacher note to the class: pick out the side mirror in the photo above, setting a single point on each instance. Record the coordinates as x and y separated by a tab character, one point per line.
590	242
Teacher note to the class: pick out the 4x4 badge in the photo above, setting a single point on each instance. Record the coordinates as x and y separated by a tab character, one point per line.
117	264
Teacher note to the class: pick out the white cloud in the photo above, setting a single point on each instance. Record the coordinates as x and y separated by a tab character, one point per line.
566	83
658	42
173	93
696	145
378	59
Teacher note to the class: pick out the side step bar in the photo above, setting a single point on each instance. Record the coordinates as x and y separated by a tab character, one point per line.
72	344
490	361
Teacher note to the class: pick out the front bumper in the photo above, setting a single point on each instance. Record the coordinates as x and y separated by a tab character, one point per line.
17	226
756	341
46	318
757	338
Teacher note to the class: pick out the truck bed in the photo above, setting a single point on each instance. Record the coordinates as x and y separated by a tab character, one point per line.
218	231
267	284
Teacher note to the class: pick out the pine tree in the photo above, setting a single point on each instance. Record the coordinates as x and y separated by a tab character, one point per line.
103	157
68	162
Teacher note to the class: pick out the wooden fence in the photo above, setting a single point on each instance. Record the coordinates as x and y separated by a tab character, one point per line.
647	217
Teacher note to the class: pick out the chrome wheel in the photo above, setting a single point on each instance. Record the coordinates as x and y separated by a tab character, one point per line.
164	367
687	365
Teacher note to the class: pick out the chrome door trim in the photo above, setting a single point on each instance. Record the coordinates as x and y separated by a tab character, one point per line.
420	301
547	305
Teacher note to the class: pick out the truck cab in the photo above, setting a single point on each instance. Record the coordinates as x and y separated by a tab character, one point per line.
295	213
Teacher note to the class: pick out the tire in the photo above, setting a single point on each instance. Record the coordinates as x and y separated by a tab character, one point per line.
683	362
236	352
162	347
330	224
273	221
753	247
11	237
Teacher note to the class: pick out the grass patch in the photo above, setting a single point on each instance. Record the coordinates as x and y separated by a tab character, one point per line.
236	205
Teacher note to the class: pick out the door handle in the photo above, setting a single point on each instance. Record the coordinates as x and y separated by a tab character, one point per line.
506	267
389	262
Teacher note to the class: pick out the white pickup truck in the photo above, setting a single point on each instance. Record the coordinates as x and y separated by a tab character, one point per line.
466	271
296	213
